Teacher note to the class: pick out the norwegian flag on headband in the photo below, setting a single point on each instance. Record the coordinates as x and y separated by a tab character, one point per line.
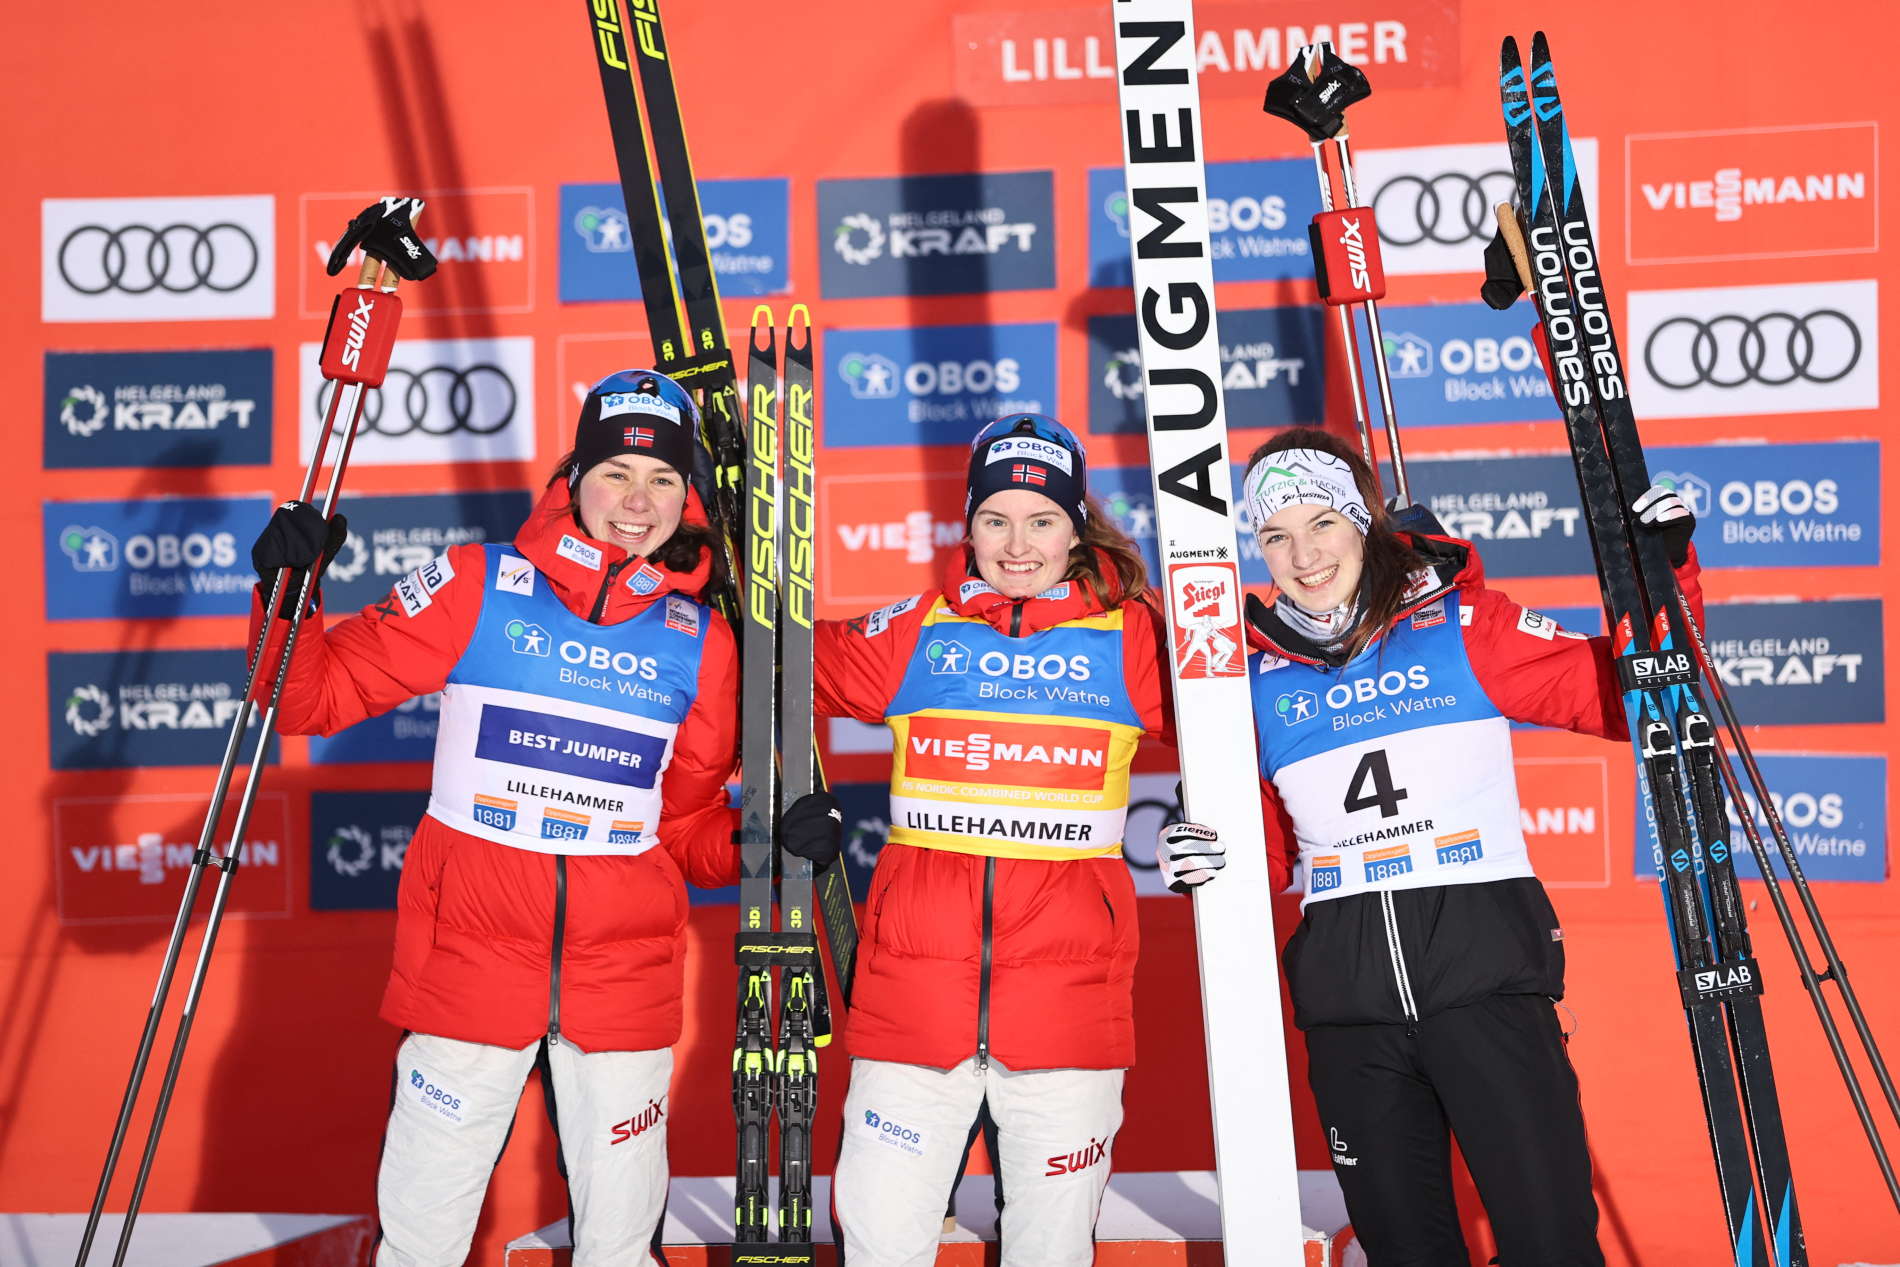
1027	473
640	437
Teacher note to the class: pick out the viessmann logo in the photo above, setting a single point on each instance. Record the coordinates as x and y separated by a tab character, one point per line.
1752	193
1015	754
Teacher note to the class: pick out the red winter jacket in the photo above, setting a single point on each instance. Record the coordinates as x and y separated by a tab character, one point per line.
1567	683
476	921
1061	935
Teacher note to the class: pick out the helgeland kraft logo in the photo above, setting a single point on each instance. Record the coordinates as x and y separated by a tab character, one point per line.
359	841
158	707
391	537
1802	663
936	235
106	409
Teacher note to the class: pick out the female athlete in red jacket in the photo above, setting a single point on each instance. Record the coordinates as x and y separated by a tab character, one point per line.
587	732
1000	932
1424	968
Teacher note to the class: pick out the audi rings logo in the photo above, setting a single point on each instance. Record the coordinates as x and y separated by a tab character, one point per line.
438	400
137	259
1772	349
1451	208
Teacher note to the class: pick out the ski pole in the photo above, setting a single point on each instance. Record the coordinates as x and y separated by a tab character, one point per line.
1345	239
355	354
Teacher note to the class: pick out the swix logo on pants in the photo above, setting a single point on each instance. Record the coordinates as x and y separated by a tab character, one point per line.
1090	1154
639	1123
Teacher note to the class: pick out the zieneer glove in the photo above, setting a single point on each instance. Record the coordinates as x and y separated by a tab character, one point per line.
812	827
296	537
1190	855
1662	511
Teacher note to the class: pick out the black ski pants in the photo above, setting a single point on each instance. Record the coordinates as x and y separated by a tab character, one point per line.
1495	1074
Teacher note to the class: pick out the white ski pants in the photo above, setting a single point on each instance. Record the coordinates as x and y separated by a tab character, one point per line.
455	1103
905	1127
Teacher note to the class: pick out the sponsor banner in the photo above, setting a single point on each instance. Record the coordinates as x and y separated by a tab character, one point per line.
445	400
126	859
159	557
934	384
1257	213
1833	807
936	235
1127	494
404	733
748	232
884	535
1273	370
108	709
1564	813
1524	514
1779	505
1067	56
1752	193
1452	364
158	259
581	360
393	536
1436	203
482	238
1813	662
357	843
1811	347
210	408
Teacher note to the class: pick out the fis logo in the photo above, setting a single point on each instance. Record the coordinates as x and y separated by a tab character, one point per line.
1295	707
947	656
527	638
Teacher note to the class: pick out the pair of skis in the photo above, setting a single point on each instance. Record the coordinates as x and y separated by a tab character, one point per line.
1658	647
741	485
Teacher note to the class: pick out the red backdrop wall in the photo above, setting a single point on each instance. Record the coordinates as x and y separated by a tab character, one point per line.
315	106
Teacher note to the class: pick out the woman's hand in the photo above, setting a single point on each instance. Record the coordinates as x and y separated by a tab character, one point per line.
1190	855
1662	511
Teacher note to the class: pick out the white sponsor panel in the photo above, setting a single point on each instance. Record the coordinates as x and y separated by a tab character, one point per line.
158	259
1435	203
445	400
1811	347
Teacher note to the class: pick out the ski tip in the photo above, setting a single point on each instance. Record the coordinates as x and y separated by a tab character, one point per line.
800	315
762	316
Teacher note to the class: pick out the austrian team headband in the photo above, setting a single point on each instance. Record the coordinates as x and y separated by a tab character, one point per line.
1305	477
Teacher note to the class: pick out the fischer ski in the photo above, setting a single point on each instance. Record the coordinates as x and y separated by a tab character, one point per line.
1675	740
1194	521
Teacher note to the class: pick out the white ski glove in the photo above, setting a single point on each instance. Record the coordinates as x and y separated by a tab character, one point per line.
1661	510
1190	855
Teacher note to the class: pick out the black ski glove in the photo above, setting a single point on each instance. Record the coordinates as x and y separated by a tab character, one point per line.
296	537
812	827
1662	511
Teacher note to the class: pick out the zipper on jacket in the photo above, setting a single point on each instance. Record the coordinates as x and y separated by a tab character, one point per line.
1400	973
560	934
1016	619
983	977
600	600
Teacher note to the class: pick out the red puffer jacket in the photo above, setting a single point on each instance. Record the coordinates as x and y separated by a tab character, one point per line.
478	923
1056	939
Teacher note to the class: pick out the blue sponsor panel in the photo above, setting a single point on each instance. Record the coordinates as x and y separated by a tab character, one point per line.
404	733
1524	514
1452	364
748	233
107	710
357	844
1806	663
1833	807
1273	370
393	536
567	745
958	234
209	408
934	384
1779	505
1257	214
164	556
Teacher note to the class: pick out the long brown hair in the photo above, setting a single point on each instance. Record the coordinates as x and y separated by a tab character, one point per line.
1389	560
1127	575
682	550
